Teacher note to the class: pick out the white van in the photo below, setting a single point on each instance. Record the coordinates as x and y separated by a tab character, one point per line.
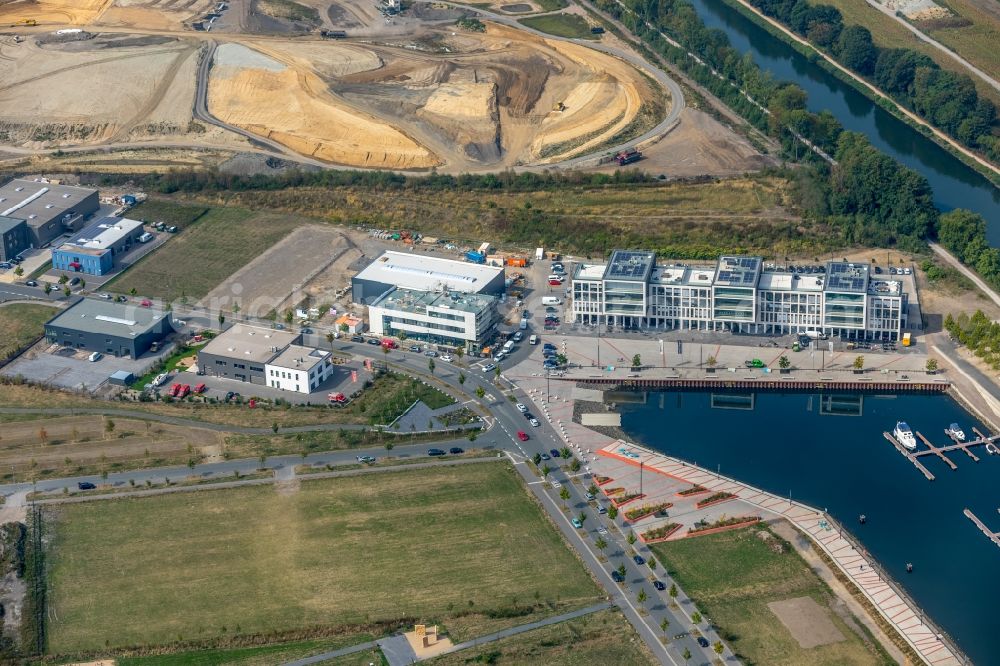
533	340
146	237
551	300
96	356
508	347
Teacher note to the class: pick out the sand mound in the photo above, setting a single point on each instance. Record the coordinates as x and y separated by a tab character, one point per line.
308	119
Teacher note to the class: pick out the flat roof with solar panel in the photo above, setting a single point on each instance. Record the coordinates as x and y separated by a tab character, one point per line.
630	265
738	271
846	278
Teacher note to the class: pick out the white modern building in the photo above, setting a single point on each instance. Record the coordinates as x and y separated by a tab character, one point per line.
299	369
739	294
441	318
420	272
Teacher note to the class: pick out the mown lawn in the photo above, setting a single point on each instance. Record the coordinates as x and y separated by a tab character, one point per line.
20	323
265	655
459	546
201	256
602	638
732	576
169	212
561	25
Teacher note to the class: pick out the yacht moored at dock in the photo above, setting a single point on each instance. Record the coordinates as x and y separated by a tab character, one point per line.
904	435
955	432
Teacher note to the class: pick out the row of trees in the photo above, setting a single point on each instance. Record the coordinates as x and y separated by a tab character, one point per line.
964	234
867	195
979	333
948	100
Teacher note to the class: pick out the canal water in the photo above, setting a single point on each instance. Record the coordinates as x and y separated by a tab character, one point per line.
829	452
955	184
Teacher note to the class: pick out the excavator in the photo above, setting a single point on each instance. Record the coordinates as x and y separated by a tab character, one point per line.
24	22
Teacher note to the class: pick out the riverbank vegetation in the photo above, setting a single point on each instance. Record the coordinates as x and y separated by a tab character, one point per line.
946	99
979	334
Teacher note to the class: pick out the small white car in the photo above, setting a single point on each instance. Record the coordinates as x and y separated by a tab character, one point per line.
521	407
534	422
447	358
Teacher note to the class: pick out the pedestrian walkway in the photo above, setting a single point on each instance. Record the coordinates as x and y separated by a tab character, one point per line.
855	564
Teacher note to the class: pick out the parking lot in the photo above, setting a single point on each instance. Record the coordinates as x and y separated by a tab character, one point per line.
70	369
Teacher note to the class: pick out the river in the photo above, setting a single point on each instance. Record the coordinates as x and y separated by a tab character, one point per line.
832	455
955	184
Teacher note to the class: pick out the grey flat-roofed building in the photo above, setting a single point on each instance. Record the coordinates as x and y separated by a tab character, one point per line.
420	272
49	209
14	237
241	352
117	329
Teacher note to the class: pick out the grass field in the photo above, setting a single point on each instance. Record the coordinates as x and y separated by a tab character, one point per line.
602	638
203	255
887	32
683	220
169	212
20	323
732	576
266	655
458	546
561	25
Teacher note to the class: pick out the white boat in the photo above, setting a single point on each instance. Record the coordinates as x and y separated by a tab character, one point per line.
904	435
991	448
955	432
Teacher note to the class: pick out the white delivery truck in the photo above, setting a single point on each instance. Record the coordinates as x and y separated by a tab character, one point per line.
551	300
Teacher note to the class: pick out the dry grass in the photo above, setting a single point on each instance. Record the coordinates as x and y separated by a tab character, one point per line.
441	545
20	323
975	42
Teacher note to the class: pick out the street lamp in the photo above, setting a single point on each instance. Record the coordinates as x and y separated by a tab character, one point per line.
640	476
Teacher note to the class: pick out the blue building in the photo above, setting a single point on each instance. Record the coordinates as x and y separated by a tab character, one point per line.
94	249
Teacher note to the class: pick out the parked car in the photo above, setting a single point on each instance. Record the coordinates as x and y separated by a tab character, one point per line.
518	336
175	391
555	283
75	281
500	356
489	367
229	395
577	524
436	452
447	358
357	338
106	296
638	559
31	283
185	390
545	456
617	577
200	388
550	365
456	450
415	349
549	345
431	353
95	356
523	436
374	342
534	423
590	497
702	641
85	485
366	459
659	585
602	510
554	453
521	407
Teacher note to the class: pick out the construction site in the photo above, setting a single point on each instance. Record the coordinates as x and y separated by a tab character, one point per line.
352	83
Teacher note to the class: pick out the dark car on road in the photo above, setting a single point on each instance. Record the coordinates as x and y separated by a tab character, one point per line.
638	560
357	338
659	585
436	452
702	641
85	485
554	453
617	577
415	348
455	450
375	342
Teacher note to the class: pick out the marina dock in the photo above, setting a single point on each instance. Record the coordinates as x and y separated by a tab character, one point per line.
993	536
940	451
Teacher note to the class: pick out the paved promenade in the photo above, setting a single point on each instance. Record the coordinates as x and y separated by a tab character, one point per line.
854	564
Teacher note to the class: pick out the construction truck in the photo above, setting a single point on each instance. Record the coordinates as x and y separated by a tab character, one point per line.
627	156
23	22
559	106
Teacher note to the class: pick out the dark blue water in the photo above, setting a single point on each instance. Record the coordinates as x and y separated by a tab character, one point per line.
784	444
955	184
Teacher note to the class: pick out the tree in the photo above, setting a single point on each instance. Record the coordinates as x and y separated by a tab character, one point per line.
274	427
561	359
696	617
574	465
932	365
592	489
63	279
963	233
641	597
719	648
459	352
496	373
631	538
582	517
622	570
389	445
636	361
601	544
686	654
461	379
222	319
83	283
652	563
859	362
612	512
47	288
856	50
330	338
236	308
18	271
673	591
564	494
784	363
289	316
430	365
537	458
545	471
109	426
480	392
565	452
67	291
664	625
132	291
710	361
43	435
385	353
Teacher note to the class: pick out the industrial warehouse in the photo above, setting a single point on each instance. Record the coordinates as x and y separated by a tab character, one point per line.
49	209
117	329
424	273
267	357
94	249
740	294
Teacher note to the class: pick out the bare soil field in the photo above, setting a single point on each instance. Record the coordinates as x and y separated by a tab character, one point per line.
153	14
52	12
275	280
58	92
